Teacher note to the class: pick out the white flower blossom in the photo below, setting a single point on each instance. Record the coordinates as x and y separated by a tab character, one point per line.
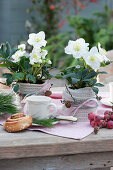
21	47
102	53
17	55
35	56
37	40
93	58
49	62
77	48
44	53
26	55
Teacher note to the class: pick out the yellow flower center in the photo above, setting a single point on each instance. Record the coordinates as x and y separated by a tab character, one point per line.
35	56
77	47
92	58
38	39
16	55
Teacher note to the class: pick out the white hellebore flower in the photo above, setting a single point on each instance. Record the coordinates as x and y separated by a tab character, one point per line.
49	62
26	55
17	55
21	47
35	56
44	53
93	58
77	48
102	51
37	40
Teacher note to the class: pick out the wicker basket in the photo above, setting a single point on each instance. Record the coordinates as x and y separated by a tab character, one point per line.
79	96
26	88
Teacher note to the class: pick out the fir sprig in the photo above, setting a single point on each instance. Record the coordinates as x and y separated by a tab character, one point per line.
7	104
46	122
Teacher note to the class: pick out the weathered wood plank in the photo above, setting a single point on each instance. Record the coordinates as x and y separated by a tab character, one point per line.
101	169
34	144
67	162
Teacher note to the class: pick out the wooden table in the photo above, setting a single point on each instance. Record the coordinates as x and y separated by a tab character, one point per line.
30	150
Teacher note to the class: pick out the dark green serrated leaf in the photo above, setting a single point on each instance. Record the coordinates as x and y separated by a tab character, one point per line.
69	75
18	76
31	78
8	49
9	81
15	88
58	76
95	89
74	80
7	75
84	72
99	85
102	72
91	75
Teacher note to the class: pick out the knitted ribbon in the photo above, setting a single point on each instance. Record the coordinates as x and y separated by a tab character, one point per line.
81	105
74	108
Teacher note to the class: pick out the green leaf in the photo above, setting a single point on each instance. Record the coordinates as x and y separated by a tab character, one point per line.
58	76
9	81
7	75
87	80
102	72
69	75
13	51
74	80
3	65
15	88
99	85
8	49
91	75
31	78
18	76
84	72
95	89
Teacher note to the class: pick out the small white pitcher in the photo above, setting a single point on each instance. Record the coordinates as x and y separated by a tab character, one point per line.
39	107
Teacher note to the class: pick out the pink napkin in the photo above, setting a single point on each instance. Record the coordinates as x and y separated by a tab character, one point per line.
77	130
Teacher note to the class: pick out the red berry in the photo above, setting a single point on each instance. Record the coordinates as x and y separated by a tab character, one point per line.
107	117
91	116
52	7
110	124
102	123
111	117
97	118
107	112
93	123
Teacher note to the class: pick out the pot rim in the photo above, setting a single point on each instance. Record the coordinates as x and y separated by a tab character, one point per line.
34	84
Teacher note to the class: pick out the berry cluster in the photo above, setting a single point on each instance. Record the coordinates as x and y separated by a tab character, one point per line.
105	121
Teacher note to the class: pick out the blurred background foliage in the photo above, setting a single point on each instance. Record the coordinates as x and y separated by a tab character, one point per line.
98	28
50	12
61	20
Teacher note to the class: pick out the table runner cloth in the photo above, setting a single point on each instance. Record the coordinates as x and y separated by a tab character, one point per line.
77	130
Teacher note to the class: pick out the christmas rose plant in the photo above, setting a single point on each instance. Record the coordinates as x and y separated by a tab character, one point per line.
26	67
87	63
